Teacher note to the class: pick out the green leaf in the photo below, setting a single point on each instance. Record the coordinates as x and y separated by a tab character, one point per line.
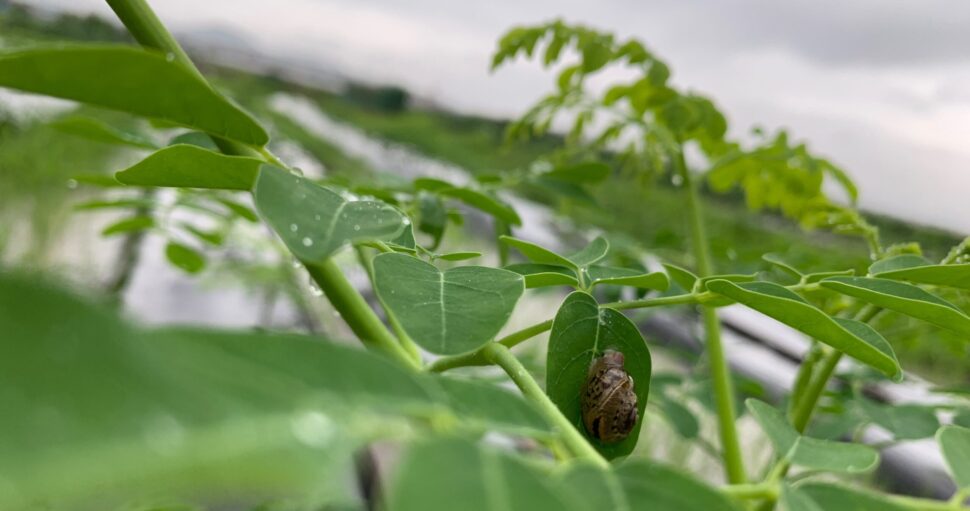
241	210
781	264
919	270
314	222
905	422
213	238
189	166
810	452
855	339
131	224
650	486
543	275
491	406
446	312
97	130
627	277
591	253
792	499
591	487
581	173
196	138
581	332
900	262
955	444
536	253
903	298
480	479
684	278
458	256
179	413
113	204
184	257
129	79
833	497
962	418
484	202
680	417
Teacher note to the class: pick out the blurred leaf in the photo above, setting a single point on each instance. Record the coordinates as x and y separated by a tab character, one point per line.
97	130
188	166
194	138
580	333
113	204
955	443
433	217
900	262
131	224
491	406
314	222
241	210
184	257
129	79
810	452
833	497
649	486
543	275
581	173
627	277
680	417
903	298
446	312
451	474
905	422
854	338
484	202
213	238
794	500
591	487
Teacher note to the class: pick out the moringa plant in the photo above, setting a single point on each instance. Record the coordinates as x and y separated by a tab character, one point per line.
101	413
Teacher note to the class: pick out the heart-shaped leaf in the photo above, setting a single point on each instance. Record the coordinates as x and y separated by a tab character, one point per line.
314	222
903	298
810	452
130	79
189	166
580	333
854	338
446	312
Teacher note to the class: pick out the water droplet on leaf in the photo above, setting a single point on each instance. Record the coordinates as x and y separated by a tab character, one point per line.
307	242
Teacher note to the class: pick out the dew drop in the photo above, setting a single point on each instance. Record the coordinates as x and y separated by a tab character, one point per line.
677	179
307	242
316	217
298	171
170	57
314	288
313	428
294	228
164	434
356	227
72	183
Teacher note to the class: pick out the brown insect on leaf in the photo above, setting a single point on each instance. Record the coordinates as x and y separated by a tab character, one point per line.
609	405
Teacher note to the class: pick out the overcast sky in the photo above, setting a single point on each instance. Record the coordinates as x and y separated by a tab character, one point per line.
881	87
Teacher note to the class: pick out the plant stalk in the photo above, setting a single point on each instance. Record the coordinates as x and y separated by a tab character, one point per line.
720	372
500	355
357	312
477	357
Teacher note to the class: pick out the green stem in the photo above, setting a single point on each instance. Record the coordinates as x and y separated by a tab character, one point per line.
477	357
807	403
720	372
149	31
751	491
805	372
500	355
357	312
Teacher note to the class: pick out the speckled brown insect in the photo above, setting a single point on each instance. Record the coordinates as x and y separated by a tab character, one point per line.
609	404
